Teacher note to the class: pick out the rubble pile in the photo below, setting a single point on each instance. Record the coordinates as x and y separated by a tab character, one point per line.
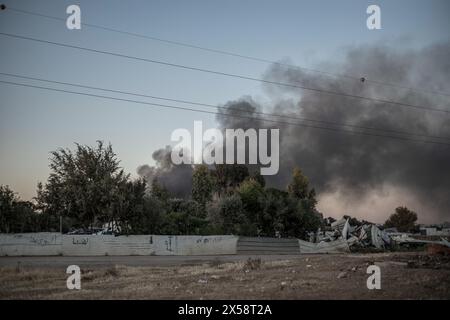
343	237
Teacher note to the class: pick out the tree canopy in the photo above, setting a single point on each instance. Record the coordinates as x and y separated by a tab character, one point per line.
403	219
88	188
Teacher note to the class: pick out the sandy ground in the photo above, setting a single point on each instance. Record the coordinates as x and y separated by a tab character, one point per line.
403	276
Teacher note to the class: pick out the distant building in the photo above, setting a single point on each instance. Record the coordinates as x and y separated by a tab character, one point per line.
435	230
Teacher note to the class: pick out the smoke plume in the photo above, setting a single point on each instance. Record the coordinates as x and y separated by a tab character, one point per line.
363	175
177	179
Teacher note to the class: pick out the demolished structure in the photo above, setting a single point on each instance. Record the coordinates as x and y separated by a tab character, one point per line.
343	237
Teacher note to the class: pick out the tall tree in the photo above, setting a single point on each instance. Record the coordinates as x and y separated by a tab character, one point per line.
227	216
253	200
203	185
403	219
298	187
230	176
84	184
7	213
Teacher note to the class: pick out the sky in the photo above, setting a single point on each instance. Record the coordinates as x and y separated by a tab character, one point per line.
34	122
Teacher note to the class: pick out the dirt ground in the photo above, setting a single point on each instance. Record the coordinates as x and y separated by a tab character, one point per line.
409	275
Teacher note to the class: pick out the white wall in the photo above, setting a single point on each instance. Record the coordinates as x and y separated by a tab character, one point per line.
205	245
99	245
30	244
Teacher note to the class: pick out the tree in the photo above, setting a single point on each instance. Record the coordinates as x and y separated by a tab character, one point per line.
20	216
304	217
253	199
258	177
203	186
7	202
227	216
159	191
229	176
128	207
85	184
403	219
298	187
274	213
183	217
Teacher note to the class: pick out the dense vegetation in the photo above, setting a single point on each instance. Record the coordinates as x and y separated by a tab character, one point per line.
87	188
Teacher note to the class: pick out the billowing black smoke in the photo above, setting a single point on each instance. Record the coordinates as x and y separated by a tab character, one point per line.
177	179
363	175
355	167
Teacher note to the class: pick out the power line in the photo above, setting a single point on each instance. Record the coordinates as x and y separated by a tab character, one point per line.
223	114
223	73
233	54
225	108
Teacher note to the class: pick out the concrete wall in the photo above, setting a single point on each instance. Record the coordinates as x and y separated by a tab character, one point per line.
265	245
205	245
30	244
99	245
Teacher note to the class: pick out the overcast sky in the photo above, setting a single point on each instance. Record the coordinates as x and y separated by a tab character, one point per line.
34	122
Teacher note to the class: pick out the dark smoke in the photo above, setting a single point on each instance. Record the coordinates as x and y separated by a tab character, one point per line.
360	175
176	179
357	167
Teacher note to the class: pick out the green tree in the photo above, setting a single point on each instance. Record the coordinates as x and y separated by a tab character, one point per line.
183	217
227	216
128	207
298	187
84	184
159	191
203	185
7	202
21	216
229	176
253	199
274	213
403	219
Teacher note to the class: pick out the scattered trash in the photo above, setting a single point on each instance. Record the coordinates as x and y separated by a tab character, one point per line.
343	274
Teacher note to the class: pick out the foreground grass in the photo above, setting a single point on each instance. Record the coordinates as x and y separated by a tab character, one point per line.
403	275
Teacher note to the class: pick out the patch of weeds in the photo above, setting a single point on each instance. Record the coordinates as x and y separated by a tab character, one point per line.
112	272
252	264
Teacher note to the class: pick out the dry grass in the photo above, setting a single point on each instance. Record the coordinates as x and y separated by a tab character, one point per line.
317	277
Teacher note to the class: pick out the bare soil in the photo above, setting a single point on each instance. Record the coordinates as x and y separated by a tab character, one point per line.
409	275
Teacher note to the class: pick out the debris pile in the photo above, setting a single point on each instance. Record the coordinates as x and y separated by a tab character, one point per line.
343	237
